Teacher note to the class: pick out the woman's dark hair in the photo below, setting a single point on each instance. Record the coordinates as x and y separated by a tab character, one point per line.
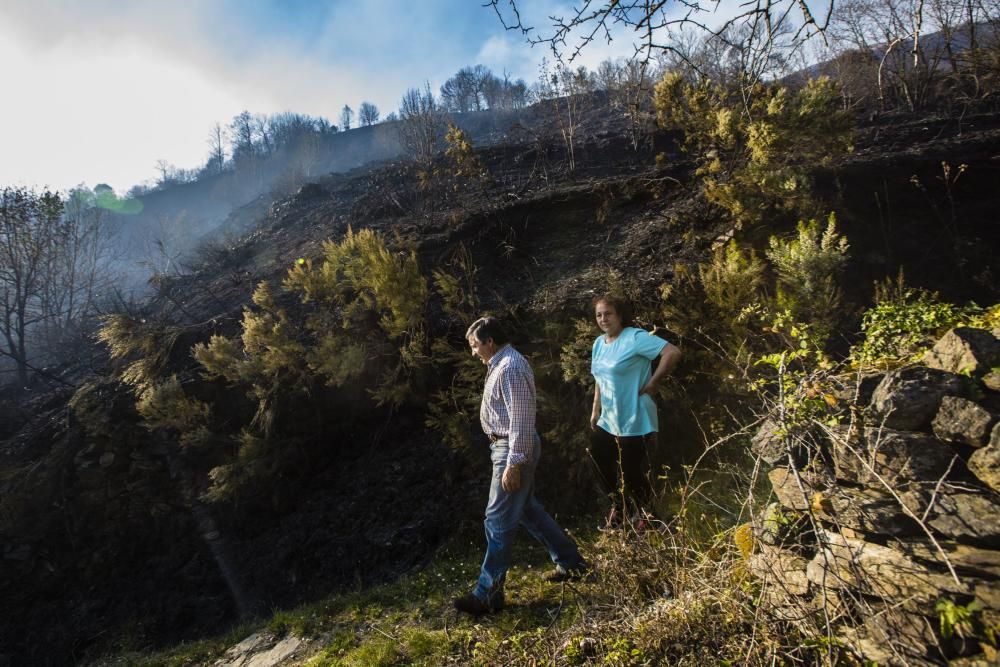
621	306
488	327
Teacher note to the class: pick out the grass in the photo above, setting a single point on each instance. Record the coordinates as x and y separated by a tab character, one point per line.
411	620
680	596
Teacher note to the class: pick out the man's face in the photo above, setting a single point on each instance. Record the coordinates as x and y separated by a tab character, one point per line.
484	351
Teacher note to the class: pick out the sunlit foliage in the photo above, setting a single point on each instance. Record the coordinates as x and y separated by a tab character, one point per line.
757	149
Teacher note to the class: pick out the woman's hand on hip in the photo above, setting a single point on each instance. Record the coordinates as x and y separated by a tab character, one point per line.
649	389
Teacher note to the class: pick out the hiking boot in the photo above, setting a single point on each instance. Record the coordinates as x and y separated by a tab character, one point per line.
560	574
470	603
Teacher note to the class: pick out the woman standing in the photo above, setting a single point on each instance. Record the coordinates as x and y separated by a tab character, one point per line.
624	420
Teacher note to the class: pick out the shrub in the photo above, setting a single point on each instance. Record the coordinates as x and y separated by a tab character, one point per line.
165	405
757	147
807	267
360	315
451	407
142	346
904	326
465	162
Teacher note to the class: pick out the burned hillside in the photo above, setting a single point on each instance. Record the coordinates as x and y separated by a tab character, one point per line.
108	518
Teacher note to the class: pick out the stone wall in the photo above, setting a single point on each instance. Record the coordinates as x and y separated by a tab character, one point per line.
889	522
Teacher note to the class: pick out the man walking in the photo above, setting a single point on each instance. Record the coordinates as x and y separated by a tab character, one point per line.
507	415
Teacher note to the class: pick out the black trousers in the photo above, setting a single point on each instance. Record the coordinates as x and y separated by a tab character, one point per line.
623	468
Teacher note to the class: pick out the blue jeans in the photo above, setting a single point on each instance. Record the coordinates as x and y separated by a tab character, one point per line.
505	511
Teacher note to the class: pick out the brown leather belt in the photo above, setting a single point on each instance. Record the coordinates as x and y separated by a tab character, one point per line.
496	436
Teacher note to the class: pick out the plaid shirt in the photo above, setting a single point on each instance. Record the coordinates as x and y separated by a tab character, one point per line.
508	407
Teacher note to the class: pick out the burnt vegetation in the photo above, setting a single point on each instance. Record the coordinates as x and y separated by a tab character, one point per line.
289	411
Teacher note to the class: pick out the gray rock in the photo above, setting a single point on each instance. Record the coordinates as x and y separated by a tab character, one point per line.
875	570
773	523
859	389
897	457
796	494
989	595
769	443
985	462
865	510
965	350
963	557
960	420
908	398
894	637
261	650
959	513
780	569
992	380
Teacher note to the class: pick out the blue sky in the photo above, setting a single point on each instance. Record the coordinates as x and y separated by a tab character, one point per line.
99	90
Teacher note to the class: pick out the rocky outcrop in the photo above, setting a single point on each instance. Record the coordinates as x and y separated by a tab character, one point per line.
965	351
905	516
908	399
963	421
985	462
894	457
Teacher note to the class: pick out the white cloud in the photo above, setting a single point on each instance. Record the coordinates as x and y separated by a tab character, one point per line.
504	52
99	95
103	115
99	90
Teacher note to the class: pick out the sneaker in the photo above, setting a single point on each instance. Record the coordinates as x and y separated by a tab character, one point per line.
561	574
470	603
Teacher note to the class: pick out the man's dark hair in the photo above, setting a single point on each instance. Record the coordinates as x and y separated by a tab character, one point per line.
621	306
488	327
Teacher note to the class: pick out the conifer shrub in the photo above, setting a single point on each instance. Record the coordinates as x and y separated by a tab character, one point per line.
353	318
807	267
758	145
453	407
459	150
141	347
462	167
719	298
165	405
142	350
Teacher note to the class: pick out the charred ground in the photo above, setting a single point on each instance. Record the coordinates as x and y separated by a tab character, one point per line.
105	539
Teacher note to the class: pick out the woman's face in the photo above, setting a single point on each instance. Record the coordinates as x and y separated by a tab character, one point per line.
608	318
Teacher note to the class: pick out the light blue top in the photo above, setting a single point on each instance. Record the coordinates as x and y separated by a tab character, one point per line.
621	368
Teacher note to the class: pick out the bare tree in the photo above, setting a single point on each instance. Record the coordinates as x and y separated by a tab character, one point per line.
346	116
565	93
29	227
263	134
422	123
906	69
242	137
165	244
217	148
651	21
460	93
367	114
166	172
77	269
